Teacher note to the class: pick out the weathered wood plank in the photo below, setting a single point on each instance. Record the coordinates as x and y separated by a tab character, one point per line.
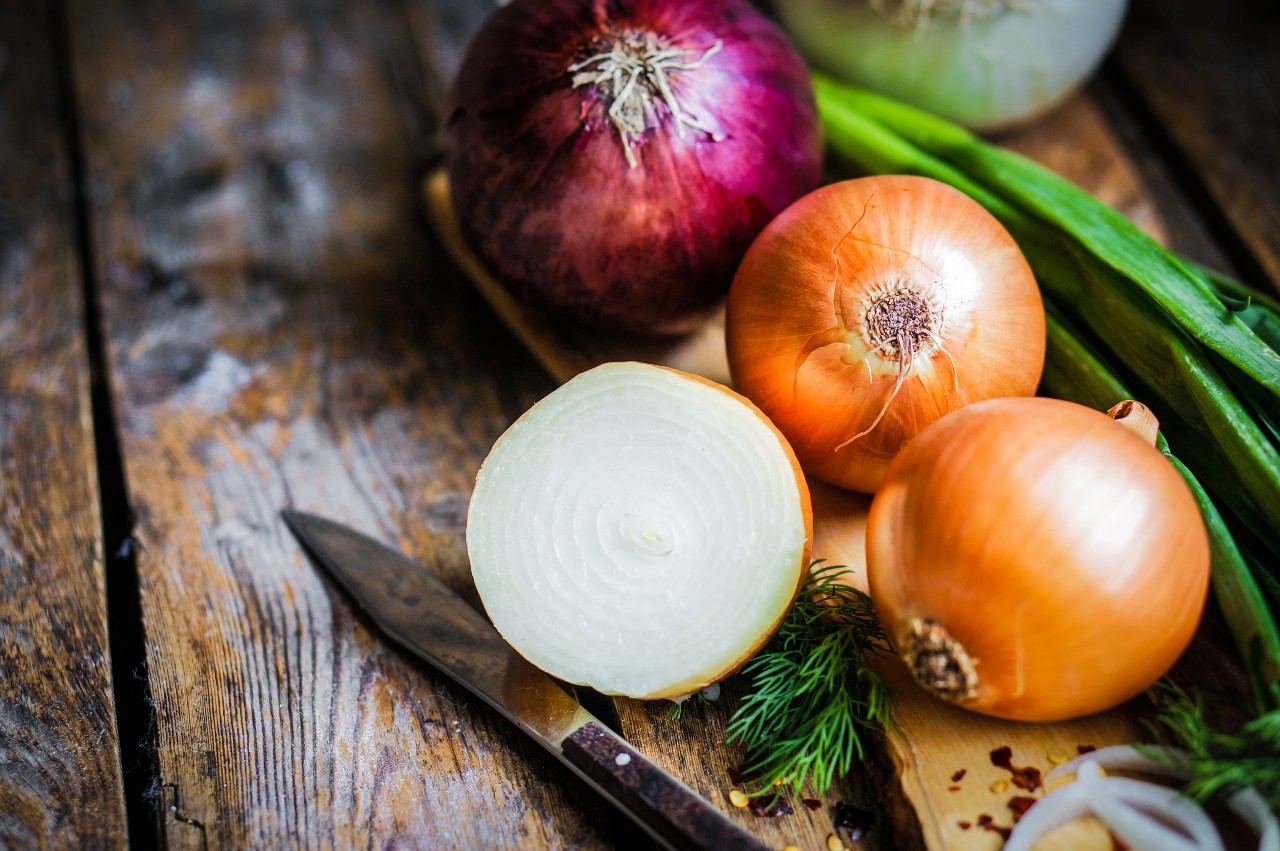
1210	76
1183	229
60	779
281	330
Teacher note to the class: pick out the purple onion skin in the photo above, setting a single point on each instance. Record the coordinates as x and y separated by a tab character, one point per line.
540	178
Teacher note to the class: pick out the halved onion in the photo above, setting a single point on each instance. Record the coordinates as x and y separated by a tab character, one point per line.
640	531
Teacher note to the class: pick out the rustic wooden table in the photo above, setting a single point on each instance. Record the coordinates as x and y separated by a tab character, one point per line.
219	295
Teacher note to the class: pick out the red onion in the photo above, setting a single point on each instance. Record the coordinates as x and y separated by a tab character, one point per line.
611	160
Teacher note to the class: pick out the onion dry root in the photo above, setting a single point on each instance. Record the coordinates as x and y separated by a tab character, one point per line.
640	531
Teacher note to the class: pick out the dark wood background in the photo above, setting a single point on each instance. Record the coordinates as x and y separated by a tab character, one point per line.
219	295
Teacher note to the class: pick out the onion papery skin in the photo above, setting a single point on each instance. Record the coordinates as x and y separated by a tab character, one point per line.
989	71
912	234
1063	554
539	175
640	531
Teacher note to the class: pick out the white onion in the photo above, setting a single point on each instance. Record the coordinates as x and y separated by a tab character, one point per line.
1251	807
1131	807
639	531
984	63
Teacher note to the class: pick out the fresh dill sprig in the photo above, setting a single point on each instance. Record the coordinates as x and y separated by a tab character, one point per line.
699	699
1220	763
812	693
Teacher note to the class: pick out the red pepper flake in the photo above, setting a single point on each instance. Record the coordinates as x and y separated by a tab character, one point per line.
953	788
1084	749
1024	777
959	775
986	822
963	825
1019	804
812	803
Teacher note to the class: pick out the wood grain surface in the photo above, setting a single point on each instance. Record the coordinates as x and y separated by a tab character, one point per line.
60	779
282	330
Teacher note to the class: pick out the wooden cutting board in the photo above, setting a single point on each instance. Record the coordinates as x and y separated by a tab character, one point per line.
945	792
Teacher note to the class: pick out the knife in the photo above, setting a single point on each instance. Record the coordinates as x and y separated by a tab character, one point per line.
419	612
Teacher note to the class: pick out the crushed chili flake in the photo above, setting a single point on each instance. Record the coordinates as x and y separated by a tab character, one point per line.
1019	804
953	788
1024	777
963	825
1084	749
986	822
959	775
812	803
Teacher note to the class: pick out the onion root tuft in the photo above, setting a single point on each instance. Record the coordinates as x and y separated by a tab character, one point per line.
938	661
634	71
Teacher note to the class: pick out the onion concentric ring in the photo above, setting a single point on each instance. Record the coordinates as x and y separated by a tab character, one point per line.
639	531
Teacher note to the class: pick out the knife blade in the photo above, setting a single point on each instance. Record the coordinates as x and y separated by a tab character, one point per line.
419	612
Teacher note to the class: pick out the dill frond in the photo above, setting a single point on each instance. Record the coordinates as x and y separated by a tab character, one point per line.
1220	763
699	699
812	694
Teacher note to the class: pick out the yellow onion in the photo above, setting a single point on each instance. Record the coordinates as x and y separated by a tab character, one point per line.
1035	559
872	307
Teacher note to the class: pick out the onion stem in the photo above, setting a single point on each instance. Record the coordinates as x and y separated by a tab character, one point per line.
916	14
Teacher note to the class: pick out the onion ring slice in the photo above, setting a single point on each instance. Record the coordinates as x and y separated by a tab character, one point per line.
1121	802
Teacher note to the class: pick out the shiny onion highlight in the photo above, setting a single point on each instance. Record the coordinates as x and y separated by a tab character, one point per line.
1034	559
872	307
641	531
610	162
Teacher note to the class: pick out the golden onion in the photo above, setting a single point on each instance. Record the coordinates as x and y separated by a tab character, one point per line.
1034	559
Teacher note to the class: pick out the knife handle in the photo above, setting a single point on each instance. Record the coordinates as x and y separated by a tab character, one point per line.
670	810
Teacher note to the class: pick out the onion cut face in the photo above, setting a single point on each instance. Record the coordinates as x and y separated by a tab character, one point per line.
611	162
1034	559
640	531
872	307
